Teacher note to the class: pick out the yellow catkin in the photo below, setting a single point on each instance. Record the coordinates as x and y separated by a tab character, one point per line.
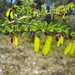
72	49
11	15
47	46
36	44
68	48
8	12
15	41
61	40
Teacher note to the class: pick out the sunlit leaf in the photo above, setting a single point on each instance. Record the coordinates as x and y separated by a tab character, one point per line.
51	24
51	29
26	20
38	27
27	4
15	28
32	28
71	5
46	27
6	22
63	28
28	27
44	23
60	7
22	20
23	27
7	28
55	27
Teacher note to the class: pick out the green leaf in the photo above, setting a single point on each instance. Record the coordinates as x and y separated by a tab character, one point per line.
51	24
22	0
23	27
68	31
33	22
27	4
59	8
15	28
58	28
73	34
16	6
42	28
50	29
6	22
26	20
22	20
46	27
32	28
0	28
38	27
55	26
28	28
44	23
7	28
43	12
15	19
38	22
63	28
1	21
71	5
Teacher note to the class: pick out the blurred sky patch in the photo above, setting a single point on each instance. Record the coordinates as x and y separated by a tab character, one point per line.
10	1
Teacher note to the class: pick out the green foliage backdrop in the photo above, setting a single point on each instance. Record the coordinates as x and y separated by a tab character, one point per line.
26	17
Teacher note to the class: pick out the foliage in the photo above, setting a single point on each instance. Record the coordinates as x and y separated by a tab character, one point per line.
22	19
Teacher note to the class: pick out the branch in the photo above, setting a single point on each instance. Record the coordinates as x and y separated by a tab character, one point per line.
12	22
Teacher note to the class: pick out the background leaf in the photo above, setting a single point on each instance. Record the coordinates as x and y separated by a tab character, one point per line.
6	22
7	28
23	27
